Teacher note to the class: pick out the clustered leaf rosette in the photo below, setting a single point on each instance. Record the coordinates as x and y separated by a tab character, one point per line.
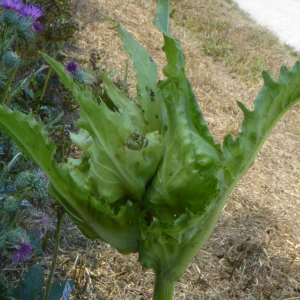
151	178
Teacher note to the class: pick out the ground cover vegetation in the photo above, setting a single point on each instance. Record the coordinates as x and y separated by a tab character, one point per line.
239	264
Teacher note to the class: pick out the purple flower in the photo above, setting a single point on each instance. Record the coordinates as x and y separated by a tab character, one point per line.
38	27
16	5
31	11
23	252
72	67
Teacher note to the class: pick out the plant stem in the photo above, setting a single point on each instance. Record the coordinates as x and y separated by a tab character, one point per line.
164	288
9	42
48	76
4	37
10	79
60	216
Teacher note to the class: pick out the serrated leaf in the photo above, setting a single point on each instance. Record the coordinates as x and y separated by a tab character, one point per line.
274	100
146	75
162	15
188	177
176	62
125	105
116	169
30	288
25	131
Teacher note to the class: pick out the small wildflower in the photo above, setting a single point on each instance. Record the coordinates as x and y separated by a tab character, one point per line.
72	67
37	26
24	250
32	11
15	5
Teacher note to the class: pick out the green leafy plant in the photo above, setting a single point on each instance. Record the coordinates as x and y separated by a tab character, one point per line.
151	178
31	287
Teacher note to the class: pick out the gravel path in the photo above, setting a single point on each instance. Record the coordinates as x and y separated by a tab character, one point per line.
281	16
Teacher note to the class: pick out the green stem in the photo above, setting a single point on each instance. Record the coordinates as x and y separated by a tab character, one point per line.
34	59
164	288
9	42
4	37
11	77
48	76
60	216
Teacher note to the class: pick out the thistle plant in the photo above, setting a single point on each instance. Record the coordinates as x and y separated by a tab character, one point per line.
151	178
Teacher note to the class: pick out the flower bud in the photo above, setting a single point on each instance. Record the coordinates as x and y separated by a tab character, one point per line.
10	204
10	60
79	76
9	17
24	29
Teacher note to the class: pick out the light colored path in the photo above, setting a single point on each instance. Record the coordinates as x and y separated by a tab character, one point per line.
281	16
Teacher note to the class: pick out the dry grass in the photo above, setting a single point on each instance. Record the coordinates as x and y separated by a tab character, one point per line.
254	252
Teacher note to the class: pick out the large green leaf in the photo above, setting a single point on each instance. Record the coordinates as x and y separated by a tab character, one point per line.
118	167
22	128
162	16
274	100
30	288
187	177
176	62
125	105
118	225
146	75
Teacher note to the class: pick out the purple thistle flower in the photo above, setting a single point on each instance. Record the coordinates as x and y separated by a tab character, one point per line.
23	252
72	67
31	11
38	27
16	5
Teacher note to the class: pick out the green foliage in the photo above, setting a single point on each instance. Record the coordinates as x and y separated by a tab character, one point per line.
151	178
30	288
20	221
